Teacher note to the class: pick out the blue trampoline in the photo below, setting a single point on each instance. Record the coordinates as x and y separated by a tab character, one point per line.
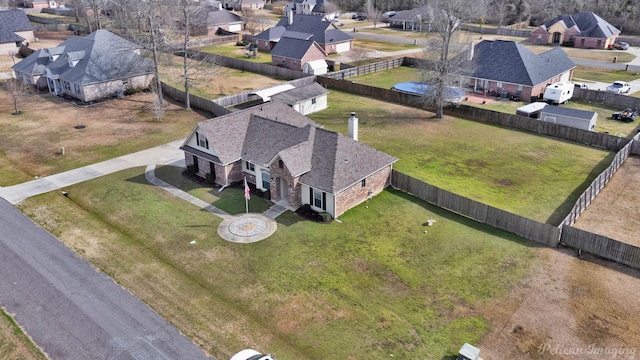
451	94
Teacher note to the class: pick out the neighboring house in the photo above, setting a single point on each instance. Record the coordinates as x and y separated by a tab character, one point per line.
294	53
581	119
218	18
314	7
408	19
325	33
244	4
506	66
39	4
15	30
582	30
288	157
306	99
97	66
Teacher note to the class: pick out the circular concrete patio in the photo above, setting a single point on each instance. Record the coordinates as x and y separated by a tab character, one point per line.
247	228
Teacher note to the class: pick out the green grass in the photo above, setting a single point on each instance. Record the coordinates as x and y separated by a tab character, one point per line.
386	79
234	51
379	45
529	175
376	285
231	199
600	75
14	344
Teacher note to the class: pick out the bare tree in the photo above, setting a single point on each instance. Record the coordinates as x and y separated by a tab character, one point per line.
446	17
18	91
358	56
372	13
149	9
250	20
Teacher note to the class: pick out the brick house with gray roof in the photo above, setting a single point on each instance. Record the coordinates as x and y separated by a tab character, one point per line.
15	30
325	33
97	66
288	157
582	30
506	66
293	53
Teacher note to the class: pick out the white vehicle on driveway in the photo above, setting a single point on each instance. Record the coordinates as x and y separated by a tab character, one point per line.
619	87
249	354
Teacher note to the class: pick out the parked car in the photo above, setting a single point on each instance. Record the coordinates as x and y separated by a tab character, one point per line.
627	115
359	17
621	45
249	354
578	85
619	87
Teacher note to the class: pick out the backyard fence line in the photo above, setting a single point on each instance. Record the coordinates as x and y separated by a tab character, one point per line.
602	246
195	101
248	96
599	182
483	213
609	99
365	69
511	121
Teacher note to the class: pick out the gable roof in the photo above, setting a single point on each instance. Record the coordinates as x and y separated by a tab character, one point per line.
293	48
588	23
326	160
324	32
100	56
12	21
303	93
272	33
510	62
408	15
222	16
574	113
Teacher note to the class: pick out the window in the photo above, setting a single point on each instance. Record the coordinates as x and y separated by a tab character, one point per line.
77	88
202	140
318	198
249	166
266	181
363	183
313	101
67	85
281	164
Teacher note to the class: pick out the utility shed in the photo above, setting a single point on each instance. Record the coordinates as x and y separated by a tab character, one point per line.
306	99
532	110
585	120
315	67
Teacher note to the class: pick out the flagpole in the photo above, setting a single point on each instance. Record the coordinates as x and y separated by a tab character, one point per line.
246	195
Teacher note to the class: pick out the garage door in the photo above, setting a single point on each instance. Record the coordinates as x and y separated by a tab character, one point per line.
343	47
235	28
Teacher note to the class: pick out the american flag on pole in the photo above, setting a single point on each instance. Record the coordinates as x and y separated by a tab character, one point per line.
247	191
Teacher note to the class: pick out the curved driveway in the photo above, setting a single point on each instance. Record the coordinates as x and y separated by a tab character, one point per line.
71	310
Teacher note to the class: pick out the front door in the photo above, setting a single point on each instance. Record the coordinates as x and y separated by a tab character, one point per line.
284	190
196	167
556	38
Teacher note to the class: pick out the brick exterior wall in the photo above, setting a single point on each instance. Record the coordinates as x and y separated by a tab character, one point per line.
314	53
234	172
357	194
294	193
539	36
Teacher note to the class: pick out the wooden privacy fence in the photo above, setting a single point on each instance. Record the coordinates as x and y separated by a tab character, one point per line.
511	121
601	246
365	69
599	182
196	101
602	97
483	213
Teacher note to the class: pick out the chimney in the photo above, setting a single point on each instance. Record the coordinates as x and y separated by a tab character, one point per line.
353	126
219	6
289	16
471	49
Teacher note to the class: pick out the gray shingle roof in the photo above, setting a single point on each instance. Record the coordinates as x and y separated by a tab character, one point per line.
575	113
101	56
328	161
297	95
408	15
324	32
12	21
510	62
292	48
588	23
272	34
218	17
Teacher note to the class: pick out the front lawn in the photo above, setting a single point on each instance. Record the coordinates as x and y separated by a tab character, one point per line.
602	75
377	285
234	51
533	176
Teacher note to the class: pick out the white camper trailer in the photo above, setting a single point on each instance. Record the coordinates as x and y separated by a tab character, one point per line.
558	93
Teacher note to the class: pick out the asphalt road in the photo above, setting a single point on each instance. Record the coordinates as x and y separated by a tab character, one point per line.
71	310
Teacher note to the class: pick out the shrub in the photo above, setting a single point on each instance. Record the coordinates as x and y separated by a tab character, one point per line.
191	169
210	178
325	216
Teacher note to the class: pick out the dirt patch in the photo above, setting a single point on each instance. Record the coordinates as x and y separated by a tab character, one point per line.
615	212
566	307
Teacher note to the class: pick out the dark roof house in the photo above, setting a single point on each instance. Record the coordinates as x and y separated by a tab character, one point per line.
409	19
294	52
99	65
506	66
583	30
288	157
325	33
15	29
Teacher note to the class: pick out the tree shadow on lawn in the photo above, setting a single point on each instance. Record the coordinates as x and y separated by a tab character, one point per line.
460	219
563	210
